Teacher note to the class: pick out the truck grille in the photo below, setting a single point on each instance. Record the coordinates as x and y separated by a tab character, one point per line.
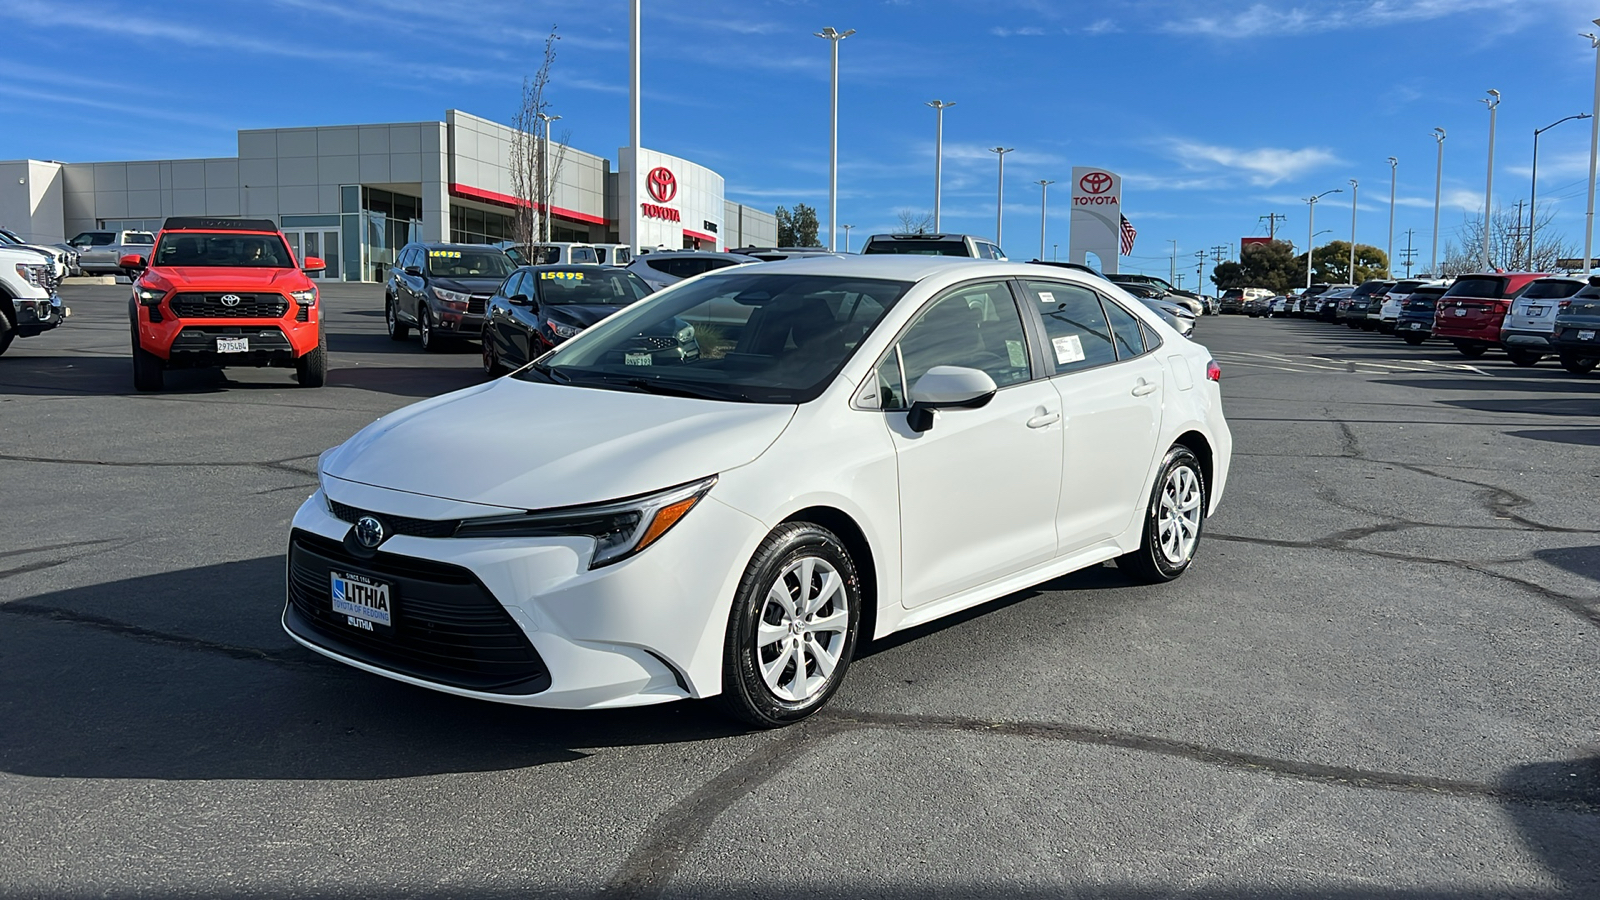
447	628
210	306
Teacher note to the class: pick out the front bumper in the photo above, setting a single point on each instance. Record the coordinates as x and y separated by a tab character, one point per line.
35	316
642	631
459	323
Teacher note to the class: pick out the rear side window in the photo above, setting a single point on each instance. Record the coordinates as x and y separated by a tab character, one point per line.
1554	289
140	238
680	267
1487	287
1124	330
581	255
1080	336
94	239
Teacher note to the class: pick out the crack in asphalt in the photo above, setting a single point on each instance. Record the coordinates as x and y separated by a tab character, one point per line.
273	465
98	545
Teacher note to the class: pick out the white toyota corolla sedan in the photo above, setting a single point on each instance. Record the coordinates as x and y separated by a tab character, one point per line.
720	490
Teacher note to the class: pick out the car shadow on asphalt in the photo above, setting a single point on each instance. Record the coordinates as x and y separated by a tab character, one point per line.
1561	383
406	381
187	675
1583	561
1564	840
113	376
1586	437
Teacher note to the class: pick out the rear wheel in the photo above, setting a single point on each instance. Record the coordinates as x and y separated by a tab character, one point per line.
147	367
793	627
1525	357
1578	365
1471	349
398	330
1173	521
7	333
311	370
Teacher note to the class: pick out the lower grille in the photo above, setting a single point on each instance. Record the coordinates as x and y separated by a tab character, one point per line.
245	306
476	304
447	627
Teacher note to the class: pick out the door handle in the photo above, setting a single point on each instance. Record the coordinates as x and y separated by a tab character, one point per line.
1040	421
1144	387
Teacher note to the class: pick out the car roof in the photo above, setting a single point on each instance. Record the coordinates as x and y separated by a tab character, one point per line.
203	223
446	245
697	254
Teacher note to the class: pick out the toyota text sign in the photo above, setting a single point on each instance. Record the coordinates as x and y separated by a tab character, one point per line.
1096	217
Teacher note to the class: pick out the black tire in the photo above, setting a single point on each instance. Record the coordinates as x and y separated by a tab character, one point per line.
7	333
398	330
1525	358
431	342
1471	349
1149	563
492	367
1414	340
1368	326
311	370
147	367
745	693
1578	365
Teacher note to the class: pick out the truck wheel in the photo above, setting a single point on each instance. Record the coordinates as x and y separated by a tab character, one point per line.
1471	349
147	367
1578	365
7	333
311	370
398	330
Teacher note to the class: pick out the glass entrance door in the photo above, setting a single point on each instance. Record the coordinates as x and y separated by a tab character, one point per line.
320	243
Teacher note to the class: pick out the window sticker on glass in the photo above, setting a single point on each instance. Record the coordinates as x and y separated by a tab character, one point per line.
1046	297
561	276
1014	350
1069	349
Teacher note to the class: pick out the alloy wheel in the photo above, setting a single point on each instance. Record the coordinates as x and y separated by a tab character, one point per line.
1178	522
804	624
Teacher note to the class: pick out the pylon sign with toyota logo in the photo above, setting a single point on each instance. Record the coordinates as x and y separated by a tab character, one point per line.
1096	217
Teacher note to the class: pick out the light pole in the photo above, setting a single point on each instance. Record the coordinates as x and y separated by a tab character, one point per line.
635	151
1172	271
1355	192
1594	149
833	37
1533	190
1493	102
544	178
938	158
1438	182
999	193
1311	224
1394	167
847	236
1044	198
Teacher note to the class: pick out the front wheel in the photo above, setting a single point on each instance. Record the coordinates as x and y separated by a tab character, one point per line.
1173	521
311	370
793	627
7	333
1525	358
1578	365
425	333
492	367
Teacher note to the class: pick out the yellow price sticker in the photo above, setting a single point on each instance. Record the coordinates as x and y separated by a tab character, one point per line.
445	254
560	276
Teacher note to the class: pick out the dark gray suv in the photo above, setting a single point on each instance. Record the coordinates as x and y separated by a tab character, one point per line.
441	290
933	245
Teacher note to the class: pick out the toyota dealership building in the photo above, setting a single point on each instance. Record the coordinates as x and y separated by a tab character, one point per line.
356	194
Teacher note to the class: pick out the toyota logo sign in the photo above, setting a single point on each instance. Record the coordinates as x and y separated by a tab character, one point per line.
230	300
1095	183
662	184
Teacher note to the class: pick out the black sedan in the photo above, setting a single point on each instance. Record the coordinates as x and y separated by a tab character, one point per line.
538	307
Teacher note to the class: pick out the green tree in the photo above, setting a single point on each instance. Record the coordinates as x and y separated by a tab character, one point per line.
1272	266
1330	263
798	228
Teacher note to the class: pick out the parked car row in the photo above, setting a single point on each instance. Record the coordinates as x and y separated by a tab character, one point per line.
1526	315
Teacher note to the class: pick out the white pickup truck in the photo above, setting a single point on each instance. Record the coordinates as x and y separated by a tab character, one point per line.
29	304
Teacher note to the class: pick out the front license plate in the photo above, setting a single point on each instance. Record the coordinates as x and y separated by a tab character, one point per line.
638	359
1585	335
361	600
233	345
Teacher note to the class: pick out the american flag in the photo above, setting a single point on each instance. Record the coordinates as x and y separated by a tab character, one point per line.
1128	234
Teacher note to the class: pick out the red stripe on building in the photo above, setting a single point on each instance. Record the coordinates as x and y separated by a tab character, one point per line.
471	193
704	237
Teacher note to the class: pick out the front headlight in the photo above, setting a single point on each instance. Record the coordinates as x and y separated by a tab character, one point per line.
562	331
33	275
454	298
306	297
620	528
149	296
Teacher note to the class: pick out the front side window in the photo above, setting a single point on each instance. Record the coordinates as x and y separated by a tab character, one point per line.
976	327
187	248
1076	326
744	336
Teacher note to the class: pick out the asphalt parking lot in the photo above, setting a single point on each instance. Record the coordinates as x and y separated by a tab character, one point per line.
1380	678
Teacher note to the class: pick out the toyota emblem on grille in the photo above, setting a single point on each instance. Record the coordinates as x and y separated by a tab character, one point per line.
369	531
230	300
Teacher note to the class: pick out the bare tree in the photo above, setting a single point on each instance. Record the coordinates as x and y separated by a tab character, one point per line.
1508	245
533	172
915	222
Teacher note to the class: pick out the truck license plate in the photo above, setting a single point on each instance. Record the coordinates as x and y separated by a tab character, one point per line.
362	601
233	345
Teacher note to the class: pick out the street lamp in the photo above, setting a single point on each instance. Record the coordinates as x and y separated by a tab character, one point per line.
1311	224
1044	197
1594	149
833	37
1438	182
1493	102
847	236
1533	190
544	178
1355	191
999	192
1394	165
938	158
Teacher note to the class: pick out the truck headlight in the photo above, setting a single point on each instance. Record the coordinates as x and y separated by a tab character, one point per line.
149	296
306	297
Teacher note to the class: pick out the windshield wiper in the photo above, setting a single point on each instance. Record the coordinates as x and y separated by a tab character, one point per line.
554	375
646	386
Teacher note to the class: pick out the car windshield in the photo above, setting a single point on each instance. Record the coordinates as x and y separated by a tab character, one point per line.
469	263
188	248
592	287
918	248
1553	289
755	337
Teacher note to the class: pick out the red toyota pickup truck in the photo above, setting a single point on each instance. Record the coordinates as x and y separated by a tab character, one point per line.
1470	313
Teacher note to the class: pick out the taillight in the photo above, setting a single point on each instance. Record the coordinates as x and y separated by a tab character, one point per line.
1213	371
1563	306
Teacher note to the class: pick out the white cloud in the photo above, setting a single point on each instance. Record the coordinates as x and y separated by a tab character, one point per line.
1262	166
1029	31
1267	20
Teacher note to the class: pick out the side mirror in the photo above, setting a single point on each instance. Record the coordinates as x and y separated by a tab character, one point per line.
947	387
520	300
131	261
313	264
413	271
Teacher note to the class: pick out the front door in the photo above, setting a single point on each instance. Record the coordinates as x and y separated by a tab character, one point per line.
978	491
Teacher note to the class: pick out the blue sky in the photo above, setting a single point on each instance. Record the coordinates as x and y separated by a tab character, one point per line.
1216	113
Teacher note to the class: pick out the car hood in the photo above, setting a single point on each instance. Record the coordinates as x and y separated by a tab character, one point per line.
227	278
467	285
525	445
580	314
